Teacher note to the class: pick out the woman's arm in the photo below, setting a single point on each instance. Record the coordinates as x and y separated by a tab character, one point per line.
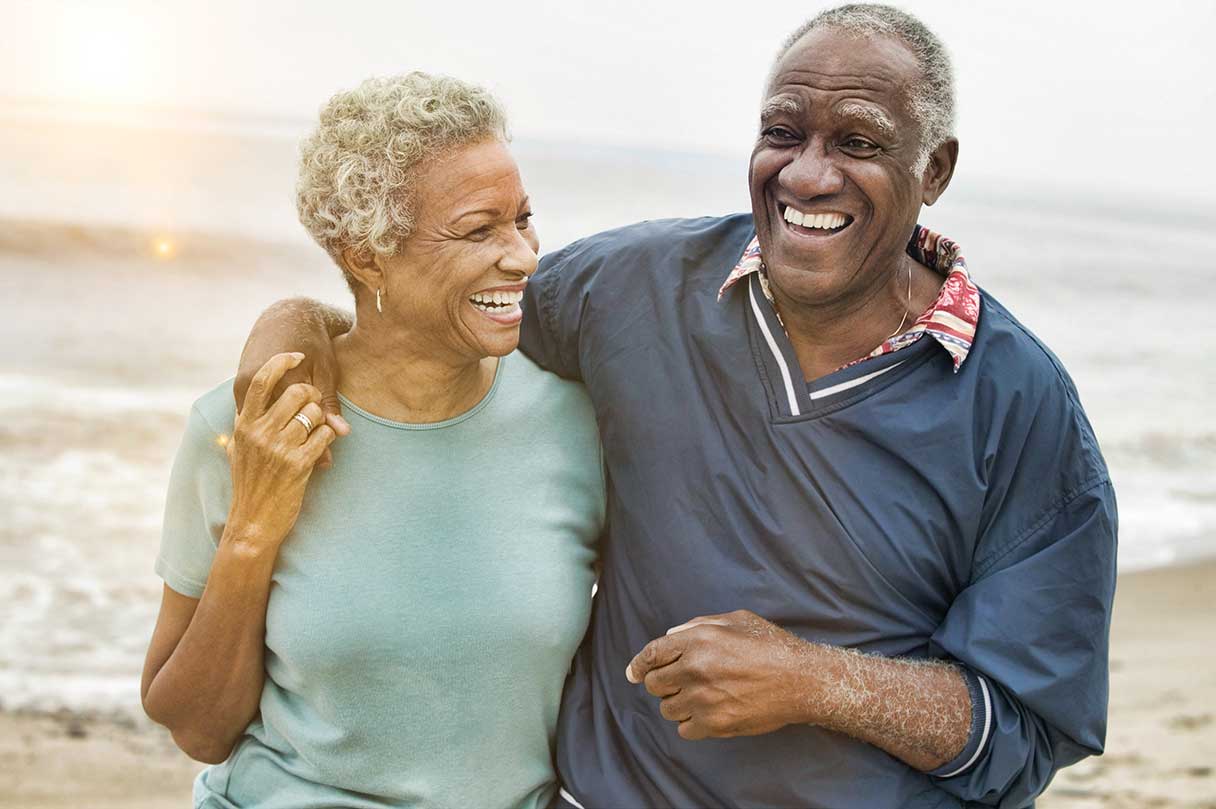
204	670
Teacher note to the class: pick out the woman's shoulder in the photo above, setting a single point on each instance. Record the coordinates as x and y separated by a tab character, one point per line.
213	414
530	389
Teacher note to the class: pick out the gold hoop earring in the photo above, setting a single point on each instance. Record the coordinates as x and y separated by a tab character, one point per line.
379	308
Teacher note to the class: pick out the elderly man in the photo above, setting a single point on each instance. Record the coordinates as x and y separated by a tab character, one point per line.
862	540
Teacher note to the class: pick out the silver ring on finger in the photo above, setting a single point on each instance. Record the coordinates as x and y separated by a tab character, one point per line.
305	421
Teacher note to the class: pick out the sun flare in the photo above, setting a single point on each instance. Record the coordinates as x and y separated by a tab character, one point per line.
164	248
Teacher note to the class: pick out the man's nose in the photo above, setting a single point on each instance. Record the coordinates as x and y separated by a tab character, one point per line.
519	256
813	172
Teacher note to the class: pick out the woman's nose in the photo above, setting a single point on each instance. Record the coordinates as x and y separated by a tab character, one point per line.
520	255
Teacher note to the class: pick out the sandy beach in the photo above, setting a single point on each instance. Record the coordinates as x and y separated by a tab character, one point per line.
1161	745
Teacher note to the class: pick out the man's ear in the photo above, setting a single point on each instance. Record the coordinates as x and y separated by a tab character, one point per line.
364	267
942	161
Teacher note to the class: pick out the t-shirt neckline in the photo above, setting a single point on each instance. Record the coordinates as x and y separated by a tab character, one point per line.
348	405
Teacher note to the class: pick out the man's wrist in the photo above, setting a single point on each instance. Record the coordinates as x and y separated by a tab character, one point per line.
803	686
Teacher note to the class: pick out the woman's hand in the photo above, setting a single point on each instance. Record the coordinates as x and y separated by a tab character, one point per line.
273	453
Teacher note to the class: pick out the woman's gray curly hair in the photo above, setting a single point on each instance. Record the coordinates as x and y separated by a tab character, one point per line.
357	169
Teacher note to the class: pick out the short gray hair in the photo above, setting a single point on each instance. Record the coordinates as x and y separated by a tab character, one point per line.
930	100
358	167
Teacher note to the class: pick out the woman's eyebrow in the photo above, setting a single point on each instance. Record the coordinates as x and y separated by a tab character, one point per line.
493	213
870	115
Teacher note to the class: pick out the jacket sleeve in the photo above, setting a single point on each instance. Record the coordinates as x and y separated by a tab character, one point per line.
550	331
1032	632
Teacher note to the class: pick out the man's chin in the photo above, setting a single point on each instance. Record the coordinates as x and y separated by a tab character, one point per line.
812	284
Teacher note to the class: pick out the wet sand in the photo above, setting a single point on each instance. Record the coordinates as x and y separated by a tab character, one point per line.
1161	746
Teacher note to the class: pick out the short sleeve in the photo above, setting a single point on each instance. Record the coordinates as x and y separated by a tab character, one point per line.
196	507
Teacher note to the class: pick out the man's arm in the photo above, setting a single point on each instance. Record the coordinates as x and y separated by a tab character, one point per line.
1028	639
739	675
308	327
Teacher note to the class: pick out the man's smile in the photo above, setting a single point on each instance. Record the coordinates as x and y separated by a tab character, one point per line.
813	223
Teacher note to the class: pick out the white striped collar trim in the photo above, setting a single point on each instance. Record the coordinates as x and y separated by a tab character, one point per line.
772	345
852	383
568	798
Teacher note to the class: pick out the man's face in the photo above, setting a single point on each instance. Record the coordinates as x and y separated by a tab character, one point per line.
835	155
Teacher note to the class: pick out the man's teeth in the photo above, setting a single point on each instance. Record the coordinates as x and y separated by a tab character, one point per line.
495	301
823	221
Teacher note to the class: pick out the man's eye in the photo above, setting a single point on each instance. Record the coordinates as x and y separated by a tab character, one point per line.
859	145
779	135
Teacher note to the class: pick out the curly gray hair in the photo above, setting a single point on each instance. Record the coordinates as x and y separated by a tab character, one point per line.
931	100
358	167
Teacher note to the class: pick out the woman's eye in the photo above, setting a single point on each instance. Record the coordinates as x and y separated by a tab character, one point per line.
524	221
480	234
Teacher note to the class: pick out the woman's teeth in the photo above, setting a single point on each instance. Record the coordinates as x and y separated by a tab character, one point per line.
821	221
496	301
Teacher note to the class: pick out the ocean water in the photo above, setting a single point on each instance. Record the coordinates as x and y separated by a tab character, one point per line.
107	341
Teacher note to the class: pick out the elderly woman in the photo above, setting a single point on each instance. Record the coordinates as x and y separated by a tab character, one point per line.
400	635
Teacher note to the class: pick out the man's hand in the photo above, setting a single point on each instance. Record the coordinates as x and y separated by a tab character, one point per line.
739	675
304	326
726	675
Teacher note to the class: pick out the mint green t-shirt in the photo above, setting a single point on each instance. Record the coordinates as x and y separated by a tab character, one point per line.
425	608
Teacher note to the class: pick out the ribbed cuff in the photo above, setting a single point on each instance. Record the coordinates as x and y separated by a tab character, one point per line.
981	727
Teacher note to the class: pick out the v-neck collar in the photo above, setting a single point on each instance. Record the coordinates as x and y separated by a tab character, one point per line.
792	398
951	319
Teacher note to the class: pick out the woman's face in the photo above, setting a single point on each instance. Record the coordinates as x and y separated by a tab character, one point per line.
459	277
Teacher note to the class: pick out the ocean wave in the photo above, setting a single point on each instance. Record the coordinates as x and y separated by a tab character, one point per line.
1169	449
22	392
97	238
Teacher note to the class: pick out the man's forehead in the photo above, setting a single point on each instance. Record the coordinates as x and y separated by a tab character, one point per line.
833	61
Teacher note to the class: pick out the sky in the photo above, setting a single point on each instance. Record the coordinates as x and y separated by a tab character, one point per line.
1094	96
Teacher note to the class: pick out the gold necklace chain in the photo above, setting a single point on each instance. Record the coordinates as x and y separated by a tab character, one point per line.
907	306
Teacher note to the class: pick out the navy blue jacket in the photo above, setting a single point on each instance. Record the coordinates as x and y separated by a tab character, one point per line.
922	513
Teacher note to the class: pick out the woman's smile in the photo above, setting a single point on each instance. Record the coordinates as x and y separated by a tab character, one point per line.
500	304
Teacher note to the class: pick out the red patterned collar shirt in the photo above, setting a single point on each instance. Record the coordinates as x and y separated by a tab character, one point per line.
951	319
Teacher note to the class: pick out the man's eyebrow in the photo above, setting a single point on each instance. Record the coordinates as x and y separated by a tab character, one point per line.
778	105
871	115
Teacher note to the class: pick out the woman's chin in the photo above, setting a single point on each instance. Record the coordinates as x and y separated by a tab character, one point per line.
496	334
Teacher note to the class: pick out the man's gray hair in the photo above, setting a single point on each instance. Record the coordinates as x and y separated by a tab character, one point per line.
930	100
359	167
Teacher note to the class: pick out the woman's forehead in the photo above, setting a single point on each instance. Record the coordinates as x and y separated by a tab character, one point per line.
483	176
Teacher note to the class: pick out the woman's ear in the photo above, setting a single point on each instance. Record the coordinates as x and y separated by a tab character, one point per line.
363	266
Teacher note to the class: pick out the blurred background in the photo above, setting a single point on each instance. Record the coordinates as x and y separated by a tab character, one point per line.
147	160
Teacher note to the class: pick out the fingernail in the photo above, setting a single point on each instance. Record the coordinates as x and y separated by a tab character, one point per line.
629	674
297	355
